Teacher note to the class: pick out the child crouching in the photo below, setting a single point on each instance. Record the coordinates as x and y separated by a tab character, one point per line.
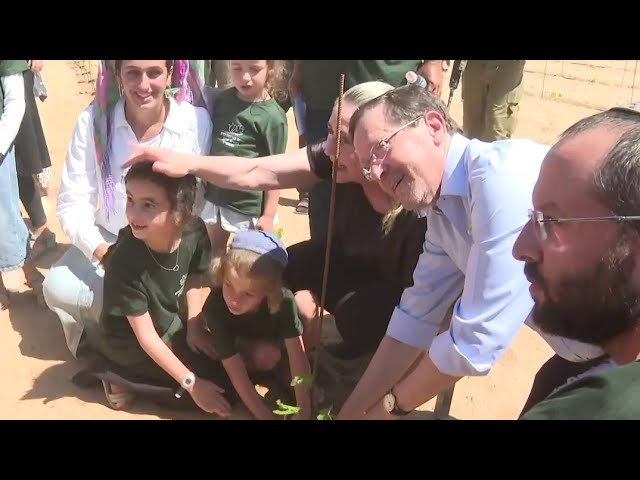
253	318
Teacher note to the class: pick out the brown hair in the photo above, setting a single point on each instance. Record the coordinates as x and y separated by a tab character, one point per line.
181	192
118	64
254	266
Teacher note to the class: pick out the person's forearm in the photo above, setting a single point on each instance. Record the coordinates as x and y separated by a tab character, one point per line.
192	296
388	365
420	386
164	357
271	199
246	390
286	170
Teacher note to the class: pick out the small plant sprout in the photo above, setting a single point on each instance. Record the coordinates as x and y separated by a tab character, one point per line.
286	410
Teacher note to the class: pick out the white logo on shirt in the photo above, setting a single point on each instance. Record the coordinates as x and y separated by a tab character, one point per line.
231	137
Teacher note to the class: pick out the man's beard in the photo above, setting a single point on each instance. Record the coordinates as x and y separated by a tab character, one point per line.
591	307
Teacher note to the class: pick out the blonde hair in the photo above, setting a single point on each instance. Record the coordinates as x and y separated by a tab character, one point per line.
254	266
358	95
363	92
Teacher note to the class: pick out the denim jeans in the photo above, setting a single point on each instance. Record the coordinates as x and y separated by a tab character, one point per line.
320	193
73	290
14	243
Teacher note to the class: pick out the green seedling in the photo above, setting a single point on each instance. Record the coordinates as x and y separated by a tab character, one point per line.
325	414
286	410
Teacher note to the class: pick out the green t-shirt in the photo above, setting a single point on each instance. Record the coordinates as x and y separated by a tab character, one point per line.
613	394
320	81
321	78
10	67
226	328
389	71
134	284
245	129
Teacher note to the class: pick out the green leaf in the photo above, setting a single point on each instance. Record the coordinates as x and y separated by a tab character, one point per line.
304	379
325	414
285	409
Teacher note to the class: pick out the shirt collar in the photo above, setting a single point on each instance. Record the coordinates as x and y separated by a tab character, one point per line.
172	123
454	179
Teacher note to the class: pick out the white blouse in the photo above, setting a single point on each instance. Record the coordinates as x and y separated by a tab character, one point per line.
187	129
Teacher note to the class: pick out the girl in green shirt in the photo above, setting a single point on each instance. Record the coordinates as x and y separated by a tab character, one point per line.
161	256
247	122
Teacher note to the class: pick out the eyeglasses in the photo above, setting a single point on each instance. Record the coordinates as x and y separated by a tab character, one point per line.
540	222
381	149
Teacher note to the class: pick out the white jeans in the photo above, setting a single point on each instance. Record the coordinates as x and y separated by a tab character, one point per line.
73	290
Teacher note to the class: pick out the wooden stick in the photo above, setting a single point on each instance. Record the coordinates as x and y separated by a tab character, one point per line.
327	255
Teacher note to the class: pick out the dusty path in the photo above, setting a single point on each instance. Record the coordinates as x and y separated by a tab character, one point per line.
37	367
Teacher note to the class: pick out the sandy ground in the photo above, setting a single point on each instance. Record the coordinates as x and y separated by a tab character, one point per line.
37	368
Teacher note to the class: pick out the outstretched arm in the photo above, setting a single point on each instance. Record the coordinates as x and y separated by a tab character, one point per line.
286	170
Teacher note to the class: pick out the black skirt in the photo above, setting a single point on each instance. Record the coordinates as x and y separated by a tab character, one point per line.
32	154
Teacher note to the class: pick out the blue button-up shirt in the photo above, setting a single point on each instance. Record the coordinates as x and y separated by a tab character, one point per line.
467	259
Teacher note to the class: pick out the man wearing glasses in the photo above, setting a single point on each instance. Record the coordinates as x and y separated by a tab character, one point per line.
581	253
476	197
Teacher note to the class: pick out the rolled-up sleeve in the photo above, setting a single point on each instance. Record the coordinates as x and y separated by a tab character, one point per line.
495	301
13	112
78	195
437	282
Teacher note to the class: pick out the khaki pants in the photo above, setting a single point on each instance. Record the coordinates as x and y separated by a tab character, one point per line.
217	73
491	94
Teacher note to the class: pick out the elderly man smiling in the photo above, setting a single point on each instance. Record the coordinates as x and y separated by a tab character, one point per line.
476	197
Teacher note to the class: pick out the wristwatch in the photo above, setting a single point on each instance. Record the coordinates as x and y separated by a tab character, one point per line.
188	381
390	403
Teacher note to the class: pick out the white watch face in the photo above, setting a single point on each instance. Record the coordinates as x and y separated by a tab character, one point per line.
389	402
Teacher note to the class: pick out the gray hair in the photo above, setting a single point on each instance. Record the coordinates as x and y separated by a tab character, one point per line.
406	103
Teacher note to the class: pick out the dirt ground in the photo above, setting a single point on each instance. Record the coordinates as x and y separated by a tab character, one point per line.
38	368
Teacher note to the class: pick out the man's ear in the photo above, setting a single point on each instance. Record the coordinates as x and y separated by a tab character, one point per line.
436	125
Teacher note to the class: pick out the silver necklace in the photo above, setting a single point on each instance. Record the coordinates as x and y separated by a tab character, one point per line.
174	269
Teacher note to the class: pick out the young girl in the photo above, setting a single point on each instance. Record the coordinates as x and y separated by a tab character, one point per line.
248	122
248	307
159	257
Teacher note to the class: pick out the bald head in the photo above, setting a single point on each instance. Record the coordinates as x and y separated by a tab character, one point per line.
604	150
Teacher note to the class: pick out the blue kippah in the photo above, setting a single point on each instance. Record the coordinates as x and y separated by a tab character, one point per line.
263	243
